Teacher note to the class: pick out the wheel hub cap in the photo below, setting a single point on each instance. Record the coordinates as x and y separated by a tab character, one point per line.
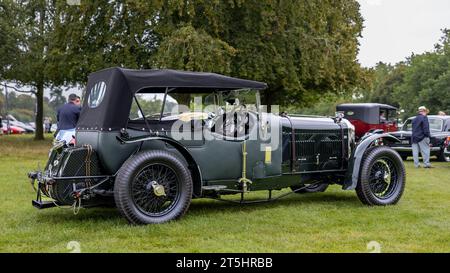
158	189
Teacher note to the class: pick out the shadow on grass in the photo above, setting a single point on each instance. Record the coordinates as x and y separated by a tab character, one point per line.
67	217
291	200
203	207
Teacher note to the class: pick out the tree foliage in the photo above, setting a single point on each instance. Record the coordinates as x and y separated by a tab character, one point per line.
423	79
100	34
23	106
8	35
32	29
427	79
302	49
381	88
192	50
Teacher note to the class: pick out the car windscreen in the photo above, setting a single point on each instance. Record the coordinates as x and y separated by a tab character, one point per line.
151	105
179	103
435	124
176	103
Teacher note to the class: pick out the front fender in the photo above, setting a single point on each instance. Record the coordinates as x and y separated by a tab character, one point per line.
352	175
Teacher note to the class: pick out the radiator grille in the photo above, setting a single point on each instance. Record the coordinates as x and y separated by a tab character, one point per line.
323	142
331	147
315	149
305	147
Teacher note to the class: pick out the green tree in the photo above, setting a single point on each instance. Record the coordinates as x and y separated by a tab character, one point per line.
301	48
57	98
100	34
21	106
8	34
385	78
426	80
33	28
193	50
56	44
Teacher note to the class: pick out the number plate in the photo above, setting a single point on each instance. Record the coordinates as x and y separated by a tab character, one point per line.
405	141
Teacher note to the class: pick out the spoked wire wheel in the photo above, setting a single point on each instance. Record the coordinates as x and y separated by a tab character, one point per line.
382	177
153	187
155	190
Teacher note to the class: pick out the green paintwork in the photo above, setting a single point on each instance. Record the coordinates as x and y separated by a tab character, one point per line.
218	160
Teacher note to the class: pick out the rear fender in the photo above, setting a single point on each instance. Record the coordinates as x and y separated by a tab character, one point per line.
193	166
352	175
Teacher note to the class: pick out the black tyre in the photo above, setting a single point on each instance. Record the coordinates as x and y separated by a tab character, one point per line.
153	187
313	188
443	157
382	177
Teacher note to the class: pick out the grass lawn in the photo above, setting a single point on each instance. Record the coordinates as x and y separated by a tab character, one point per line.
334	221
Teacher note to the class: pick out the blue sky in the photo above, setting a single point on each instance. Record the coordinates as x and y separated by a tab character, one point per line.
396	28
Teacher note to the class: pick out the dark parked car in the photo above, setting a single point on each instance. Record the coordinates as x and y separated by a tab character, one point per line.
369	117
139	146
439	141
447	151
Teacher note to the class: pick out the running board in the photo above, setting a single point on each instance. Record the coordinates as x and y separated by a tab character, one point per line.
214	188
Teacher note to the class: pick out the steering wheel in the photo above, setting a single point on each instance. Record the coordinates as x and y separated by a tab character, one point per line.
234	123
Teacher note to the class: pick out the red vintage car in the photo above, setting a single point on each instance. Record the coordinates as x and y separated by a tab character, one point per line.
14	130
370	116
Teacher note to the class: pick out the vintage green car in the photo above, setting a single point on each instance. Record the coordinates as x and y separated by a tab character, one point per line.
149	141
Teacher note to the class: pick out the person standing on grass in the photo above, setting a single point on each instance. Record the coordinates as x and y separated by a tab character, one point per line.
46	124
67	118
421	137
50	123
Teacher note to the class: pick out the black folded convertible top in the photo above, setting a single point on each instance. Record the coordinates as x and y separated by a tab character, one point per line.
153	80
121	85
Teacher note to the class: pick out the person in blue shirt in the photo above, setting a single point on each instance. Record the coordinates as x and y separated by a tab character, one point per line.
421	137
67	117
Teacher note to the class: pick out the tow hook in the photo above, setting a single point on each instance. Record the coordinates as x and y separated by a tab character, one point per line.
33	175
76	194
